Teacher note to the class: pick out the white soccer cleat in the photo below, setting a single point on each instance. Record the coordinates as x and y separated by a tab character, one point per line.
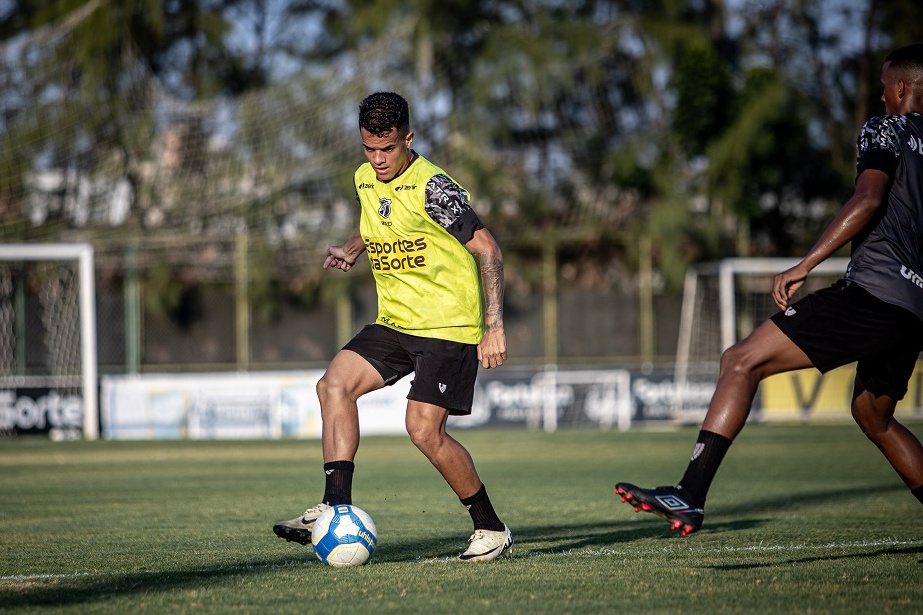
488	545
299	529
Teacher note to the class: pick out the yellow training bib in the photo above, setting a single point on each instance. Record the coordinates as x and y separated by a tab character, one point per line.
428	283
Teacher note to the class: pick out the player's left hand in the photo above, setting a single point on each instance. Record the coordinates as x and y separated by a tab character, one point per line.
492	349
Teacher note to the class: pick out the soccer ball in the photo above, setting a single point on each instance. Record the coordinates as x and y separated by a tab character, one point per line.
344	535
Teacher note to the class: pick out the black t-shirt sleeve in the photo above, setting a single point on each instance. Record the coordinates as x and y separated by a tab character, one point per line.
447	204
464	226
878	146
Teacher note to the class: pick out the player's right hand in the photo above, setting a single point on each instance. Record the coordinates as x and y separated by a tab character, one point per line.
787	283
337	258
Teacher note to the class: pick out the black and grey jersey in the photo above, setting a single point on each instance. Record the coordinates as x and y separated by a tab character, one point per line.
887	256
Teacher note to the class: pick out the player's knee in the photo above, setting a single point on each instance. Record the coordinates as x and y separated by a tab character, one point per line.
867	422
330	387
737	360
873	415
423	436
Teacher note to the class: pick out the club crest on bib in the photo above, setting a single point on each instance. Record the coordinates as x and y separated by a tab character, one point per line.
384	208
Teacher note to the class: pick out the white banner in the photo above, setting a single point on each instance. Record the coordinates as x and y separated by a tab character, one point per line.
233	406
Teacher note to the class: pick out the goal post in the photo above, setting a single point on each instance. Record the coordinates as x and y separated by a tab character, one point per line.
723	302
48	333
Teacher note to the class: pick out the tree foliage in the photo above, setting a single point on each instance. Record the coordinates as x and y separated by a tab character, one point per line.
712	128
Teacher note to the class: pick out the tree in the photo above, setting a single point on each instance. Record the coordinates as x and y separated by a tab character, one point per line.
714	128
83	68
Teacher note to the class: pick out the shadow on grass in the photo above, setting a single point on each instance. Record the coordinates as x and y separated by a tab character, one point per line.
74	590
542	539
552	538
98	588
744	511
822	558
812	498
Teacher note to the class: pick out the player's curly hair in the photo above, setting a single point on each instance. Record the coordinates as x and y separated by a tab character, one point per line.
380	112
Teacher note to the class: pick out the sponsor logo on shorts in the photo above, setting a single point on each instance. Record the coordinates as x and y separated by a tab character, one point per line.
790	311
442	388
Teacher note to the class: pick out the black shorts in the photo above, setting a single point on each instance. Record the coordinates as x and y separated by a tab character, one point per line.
444	371
845	323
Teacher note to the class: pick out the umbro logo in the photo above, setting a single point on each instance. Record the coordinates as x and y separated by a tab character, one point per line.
672	502
328	472
442	388
790	311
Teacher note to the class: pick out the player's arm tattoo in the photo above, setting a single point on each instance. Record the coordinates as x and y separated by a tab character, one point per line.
492	280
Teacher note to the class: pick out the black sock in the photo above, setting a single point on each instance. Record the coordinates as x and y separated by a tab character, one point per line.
707	455
918	492
339	486
482	511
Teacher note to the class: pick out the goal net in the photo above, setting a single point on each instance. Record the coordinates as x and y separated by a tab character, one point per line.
722	303
48	340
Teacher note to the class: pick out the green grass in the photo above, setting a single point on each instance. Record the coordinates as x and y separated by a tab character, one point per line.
801	518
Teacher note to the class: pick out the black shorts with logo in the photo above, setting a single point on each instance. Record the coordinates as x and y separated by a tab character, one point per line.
845	323
444	371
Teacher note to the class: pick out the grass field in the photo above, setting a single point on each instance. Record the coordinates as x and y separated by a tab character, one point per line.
801	519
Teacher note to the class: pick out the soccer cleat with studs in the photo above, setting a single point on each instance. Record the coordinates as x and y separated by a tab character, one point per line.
669	503
299	529
488	545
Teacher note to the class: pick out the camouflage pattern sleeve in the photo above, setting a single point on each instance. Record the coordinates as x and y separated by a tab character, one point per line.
878	146
447	204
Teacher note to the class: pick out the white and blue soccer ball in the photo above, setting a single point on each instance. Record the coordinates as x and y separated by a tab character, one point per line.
344	535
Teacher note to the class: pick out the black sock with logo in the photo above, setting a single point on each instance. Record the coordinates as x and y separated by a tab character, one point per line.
339	485
707	455
918	492
482	511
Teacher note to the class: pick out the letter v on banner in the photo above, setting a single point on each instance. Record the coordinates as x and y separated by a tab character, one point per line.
806	404
807	395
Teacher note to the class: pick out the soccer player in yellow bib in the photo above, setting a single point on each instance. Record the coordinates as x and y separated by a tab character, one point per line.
439	277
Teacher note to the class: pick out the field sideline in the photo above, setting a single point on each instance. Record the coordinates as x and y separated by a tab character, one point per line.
801	518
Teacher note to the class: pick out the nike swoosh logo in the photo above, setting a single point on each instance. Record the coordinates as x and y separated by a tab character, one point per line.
481	554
